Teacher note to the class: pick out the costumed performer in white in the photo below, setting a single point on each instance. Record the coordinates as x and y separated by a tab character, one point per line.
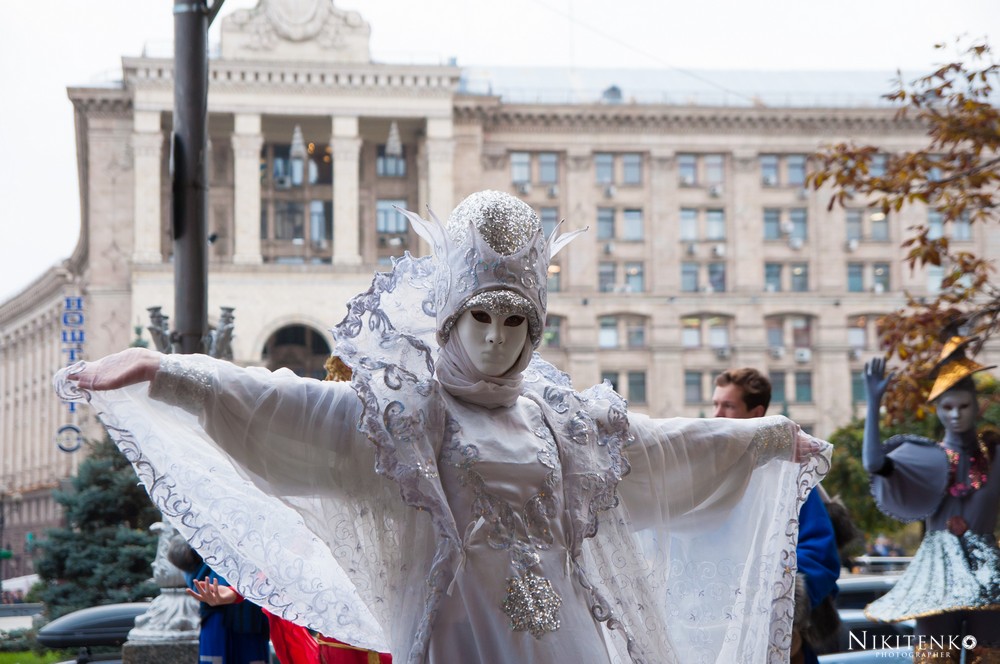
463	503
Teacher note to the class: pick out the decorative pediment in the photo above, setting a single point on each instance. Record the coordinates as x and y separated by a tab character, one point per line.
296	30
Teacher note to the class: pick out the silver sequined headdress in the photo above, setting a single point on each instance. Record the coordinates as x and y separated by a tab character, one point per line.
493	255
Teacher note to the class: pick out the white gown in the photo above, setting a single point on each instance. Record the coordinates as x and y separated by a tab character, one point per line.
277	489
389	515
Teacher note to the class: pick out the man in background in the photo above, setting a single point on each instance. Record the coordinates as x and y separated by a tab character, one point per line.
745	393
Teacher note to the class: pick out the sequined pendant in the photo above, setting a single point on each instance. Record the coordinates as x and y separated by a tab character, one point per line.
531	604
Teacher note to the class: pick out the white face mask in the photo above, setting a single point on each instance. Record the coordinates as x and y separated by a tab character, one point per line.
492	342
958	410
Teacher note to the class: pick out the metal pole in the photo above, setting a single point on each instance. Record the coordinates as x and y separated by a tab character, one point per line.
190	183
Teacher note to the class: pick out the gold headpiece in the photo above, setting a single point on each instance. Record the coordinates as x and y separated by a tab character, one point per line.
953	366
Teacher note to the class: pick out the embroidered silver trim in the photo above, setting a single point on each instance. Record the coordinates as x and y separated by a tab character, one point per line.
182	383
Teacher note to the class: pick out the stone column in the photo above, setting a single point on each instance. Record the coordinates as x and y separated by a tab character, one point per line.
147	152
663	222
346	146
247	141
440	145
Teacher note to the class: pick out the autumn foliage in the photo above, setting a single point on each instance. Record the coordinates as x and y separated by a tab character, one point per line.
957	173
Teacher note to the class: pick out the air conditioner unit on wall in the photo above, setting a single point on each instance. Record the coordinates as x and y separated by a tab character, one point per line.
769	180
723	352
715	190
777	352
609	191
719	250
854	353
524	188
851	245
554	191
803	355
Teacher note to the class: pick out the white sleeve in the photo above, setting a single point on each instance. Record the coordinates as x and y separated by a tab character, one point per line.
268	478
273	425
693	471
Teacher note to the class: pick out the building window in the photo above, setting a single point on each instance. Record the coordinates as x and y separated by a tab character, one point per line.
852	221
691	332
605	223
870	224
607	333
613	330
689	277
632	228
610	377
799	229
390	166
387	218
855	277
800	277
692	387
795	166
769	170
772	277
548	168
296	211
935	277
717	277
632	168
553	281
289	221
636	386
604	167
689	225
961	228
520	167
715	172
715	228
772	224
879	226
549	217
713	328
801	331
635	332
778	394
858	390
552	335
876	167
320	224
634	278
606	277
775	328
687	170
718	332
857	333
880	277
803	386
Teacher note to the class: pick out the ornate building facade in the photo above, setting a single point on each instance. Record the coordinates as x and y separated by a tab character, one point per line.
705	251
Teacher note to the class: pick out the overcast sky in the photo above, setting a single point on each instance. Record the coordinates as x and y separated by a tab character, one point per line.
46	46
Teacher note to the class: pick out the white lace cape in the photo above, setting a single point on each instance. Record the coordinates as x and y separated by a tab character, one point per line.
340	552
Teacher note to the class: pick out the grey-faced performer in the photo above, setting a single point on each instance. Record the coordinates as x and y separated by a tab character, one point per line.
952	586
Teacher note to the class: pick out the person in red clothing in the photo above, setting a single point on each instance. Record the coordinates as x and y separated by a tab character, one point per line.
293	644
